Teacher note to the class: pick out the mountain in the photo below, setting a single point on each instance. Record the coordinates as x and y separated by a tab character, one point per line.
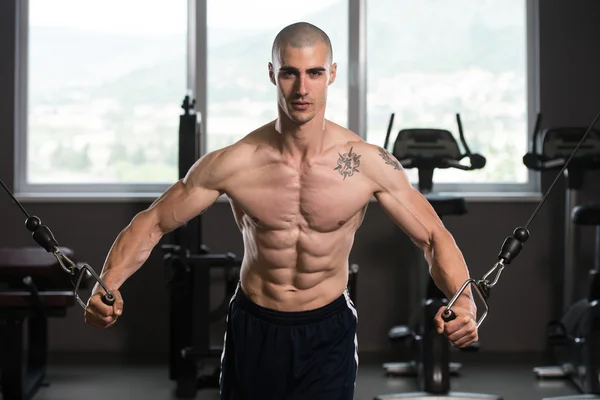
403	36
426	60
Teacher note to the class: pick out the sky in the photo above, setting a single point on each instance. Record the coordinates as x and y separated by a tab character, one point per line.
166	16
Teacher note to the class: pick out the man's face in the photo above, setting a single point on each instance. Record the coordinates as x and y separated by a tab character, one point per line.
302	76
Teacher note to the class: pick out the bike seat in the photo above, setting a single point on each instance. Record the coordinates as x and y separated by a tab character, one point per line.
447	205
586	214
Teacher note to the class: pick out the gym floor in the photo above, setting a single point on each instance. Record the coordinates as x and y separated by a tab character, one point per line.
95	377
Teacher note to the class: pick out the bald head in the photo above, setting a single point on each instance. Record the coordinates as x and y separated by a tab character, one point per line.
300	35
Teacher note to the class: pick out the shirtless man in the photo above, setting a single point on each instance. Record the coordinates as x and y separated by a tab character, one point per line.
299	187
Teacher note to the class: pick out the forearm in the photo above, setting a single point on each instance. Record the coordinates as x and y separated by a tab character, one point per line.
131	249
448	268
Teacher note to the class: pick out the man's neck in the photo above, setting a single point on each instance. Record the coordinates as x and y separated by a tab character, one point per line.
301	140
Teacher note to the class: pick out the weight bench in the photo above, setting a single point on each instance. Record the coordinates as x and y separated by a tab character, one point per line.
33	288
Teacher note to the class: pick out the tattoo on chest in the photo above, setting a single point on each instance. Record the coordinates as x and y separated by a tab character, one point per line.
348	163
389	159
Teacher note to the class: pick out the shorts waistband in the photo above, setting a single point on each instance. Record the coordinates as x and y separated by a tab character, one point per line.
290	318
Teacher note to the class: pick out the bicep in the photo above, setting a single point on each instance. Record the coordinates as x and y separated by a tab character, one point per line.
405	205
411	212
180	203
190	196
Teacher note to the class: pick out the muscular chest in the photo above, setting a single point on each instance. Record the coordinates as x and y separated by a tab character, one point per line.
321	195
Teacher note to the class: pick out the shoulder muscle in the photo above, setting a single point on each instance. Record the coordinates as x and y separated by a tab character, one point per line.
213	170
384	170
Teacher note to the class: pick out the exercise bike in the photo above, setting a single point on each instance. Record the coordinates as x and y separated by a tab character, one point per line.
575	338
427	150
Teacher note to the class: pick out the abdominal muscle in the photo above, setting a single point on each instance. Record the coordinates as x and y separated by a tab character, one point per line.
293	270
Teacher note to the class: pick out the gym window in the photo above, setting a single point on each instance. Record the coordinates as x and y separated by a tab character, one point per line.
100	84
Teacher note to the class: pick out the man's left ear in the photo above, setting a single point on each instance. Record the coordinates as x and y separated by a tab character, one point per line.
272	73
332	73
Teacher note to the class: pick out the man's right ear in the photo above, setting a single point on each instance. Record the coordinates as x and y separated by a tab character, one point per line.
272	73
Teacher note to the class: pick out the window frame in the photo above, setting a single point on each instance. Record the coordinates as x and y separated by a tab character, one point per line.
197	87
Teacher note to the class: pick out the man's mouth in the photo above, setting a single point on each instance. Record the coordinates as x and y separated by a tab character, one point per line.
300	105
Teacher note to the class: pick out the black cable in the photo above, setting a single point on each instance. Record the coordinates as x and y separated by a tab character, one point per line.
14	199
512	245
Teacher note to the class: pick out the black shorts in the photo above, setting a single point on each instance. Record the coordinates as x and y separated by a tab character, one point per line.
275	355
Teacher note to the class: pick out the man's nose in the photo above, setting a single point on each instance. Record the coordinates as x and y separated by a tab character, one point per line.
301	89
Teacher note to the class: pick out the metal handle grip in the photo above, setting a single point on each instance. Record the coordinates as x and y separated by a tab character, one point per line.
108	298
449	315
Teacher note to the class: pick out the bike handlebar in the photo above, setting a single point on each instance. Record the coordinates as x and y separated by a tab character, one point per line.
536	162
477	161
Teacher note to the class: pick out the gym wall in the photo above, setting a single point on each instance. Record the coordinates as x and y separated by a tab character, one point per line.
525	299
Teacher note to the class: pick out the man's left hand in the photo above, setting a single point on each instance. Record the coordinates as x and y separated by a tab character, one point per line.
461	331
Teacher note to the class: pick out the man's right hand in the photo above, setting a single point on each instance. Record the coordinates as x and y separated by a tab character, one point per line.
100	315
